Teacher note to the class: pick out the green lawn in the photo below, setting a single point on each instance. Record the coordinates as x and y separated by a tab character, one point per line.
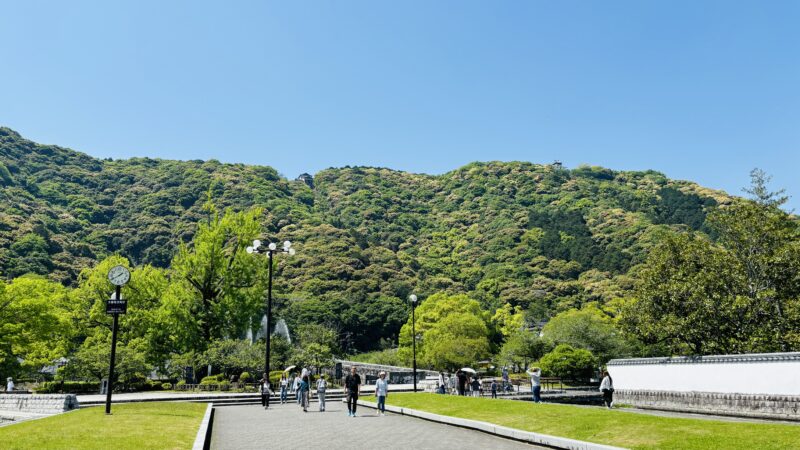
615	427
151	425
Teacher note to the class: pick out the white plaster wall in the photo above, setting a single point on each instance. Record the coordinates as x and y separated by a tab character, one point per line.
761	377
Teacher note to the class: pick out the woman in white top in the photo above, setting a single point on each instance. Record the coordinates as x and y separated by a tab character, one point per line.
284	387
381	392
9	384
607	388
322	386
536	385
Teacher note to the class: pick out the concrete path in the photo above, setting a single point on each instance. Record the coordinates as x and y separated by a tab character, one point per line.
288	427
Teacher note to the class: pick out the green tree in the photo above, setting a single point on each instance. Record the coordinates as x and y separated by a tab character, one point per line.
522	348
459	339
35	323
234	356
588	328
216	289
316	346
569	363
432	313
737	295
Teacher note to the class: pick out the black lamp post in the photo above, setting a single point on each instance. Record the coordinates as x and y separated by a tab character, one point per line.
413	299
270	249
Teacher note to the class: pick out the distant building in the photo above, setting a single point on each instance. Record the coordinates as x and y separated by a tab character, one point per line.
307	179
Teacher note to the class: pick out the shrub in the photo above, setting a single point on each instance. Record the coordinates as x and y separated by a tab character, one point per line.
71	387
245	377
213	379
166	386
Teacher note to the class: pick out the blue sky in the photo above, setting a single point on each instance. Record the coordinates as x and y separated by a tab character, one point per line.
700	90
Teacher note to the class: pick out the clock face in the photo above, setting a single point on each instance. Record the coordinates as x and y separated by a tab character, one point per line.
118	275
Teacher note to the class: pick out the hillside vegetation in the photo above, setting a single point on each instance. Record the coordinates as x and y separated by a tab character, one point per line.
540	237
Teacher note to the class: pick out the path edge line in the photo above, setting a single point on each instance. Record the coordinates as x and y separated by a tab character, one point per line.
203	439
497	430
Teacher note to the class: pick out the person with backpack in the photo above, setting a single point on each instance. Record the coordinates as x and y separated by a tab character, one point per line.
305	386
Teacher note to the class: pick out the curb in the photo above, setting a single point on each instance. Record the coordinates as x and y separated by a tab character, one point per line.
497	430
203	439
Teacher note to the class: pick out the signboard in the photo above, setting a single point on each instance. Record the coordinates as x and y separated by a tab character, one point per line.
114	306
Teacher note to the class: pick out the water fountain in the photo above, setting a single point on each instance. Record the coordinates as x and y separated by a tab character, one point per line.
281	329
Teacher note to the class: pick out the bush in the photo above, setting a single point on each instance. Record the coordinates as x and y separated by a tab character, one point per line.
166	386
71	387
245	377
180	383
214	379
569	363
274	376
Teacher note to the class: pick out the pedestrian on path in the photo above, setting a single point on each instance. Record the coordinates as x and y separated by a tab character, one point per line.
381	392
352	385
476	387
536	383
494	388
296	389
442	383
607	388
305	386
9	384
462	382
264	386
322	386
284	387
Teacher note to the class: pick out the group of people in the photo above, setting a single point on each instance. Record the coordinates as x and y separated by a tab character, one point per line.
460	382
300	387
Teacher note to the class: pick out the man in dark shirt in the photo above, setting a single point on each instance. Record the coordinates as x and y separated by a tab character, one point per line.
352	385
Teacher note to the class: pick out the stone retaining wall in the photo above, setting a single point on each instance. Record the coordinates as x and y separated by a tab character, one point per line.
38	403
784	407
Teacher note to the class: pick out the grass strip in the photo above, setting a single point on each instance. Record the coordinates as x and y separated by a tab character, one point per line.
612	427
149	425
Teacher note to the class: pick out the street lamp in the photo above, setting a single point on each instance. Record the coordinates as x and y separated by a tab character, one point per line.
270	249
413	299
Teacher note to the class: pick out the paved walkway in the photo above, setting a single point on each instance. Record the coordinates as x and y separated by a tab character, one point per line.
288	427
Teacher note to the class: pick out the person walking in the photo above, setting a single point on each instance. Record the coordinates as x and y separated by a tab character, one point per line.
264	387
505	379
322	386
536	383
462	382
442	383
305	386
494	388
381	392
476	387
9	384
352	385
284	387
607	388
296	388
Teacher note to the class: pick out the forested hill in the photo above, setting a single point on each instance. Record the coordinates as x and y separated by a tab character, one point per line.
539	236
